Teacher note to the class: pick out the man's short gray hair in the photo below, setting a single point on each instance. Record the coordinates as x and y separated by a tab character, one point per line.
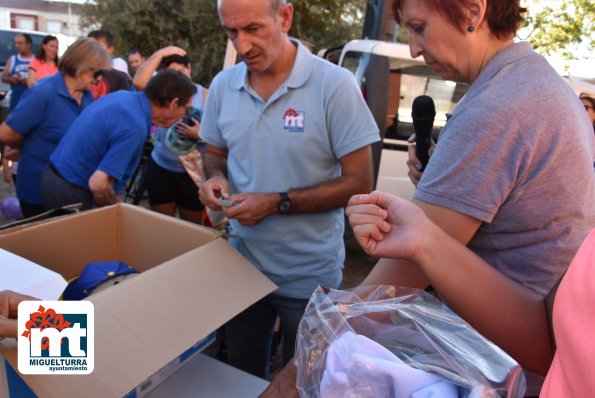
275	5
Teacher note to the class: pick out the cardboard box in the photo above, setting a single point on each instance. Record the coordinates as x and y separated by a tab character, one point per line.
191	283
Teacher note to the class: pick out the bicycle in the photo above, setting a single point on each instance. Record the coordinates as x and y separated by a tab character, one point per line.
137	186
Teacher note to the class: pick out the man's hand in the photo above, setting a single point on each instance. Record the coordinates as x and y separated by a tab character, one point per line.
212	190
9	303
251	208
15	79
101	186
284	384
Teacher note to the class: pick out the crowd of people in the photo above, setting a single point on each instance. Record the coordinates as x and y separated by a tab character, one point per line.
497	218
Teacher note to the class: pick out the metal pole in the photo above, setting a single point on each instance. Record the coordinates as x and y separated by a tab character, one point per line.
69	20
230	55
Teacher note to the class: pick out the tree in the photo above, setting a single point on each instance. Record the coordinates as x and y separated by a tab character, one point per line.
560	26
327	23
148	25
194	25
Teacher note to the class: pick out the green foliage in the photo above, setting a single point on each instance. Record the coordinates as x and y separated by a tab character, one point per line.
148	25
562	25
327	23
194	25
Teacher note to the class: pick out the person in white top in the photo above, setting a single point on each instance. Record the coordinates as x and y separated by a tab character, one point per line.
106	40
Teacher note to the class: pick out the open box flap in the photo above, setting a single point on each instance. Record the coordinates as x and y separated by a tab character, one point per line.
167	309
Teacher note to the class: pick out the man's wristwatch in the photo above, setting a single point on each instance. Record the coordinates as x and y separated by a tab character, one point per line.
285	205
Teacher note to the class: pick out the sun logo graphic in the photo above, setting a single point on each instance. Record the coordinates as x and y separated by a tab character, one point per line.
293	121
56	337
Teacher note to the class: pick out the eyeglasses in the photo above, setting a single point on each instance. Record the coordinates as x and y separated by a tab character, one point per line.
98	73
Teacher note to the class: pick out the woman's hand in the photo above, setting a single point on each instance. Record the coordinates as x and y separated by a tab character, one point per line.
413	162
187	131
387	226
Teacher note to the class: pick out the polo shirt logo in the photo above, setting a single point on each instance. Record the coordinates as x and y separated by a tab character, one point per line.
293	121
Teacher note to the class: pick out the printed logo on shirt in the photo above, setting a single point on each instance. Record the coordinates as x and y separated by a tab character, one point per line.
22	70
56	337
293	121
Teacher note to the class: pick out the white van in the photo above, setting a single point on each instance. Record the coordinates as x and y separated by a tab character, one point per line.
390	80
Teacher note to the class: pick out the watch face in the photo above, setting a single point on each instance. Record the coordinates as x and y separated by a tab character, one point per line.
285	206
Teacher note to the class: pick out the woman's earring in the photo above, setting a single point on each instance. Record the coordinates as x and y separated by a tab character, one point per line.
470	29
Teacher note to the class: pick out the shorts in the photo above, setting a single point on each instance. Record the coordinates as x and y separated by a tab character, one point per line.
166	186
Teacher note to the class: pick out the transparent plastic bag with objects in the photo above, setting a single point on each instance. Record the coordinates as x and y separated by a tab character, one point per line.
399	342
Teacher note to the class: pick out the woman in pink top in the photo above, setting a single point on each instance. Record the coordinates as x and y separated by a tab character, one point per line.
385	225
45	61
572	373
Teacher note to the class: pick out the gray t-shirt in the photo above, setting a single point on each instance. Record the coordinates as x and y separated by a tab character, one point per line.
517	155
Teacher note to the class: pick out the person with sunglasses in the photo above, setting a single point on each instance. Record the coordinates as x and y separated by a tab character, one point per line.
46	111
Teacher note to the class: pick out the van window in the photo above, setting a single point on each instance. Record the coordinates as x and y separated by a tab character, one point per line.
403	80
7	44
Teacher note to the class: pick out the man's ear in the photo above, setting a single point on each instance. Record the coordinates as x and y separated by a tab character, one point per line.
286	15
174	103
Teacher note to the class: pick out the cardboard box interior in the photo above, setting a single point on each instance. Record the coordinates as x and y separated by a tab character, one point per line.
191	283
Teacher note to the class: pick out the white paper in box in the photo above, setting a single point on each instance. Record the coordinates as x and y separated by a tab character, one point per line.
23	276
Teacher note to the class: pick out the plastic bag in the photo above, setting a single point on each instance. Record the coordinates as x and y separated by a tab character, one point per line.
193	164
417	328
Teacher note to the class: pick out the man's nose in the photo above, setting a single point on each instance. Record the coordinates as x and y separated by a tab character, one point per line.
243	44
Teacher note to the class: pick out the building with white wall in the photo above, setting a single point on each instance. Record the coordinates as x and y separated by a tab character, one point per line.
42	15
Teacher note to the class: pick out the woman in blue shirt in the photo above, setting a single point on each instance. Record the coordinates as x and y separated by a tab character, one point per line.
46	111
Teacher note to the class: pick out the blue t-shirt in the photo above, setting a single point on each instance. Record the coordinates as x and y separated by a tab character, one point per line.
20	66
109	136
161	154
294	140
42	117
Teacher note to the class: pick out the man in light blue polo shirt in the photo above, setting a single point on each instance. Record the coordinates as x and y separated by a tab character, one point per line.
288	139
103	147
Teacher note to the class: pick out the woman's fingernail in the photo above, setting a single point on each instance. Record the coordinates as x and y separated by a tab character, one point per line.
418	166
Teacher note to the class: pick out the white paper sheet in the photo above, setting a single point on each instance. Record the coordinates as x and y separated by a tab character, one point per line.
23	276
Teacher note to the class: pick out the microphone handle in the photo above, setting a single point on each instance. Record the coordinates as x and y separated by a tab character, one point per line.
423	140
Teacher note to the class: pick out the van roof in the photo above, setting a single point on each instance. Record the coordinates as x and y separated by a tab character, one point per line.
383	48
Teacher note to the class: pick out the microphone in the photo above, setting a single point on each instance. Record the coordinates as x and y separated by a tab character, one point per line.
423	112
